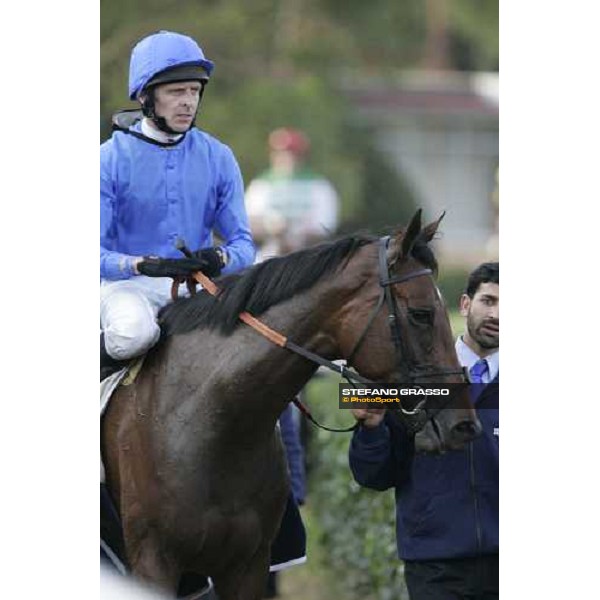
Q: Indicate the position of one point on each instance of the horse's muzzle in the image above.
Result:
(464, 432)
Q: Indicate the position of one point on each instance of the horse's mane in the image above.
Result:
(259, 287)
(268, 283)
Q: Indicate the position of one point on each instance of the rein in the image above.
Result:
(279, 339)
(414, 419)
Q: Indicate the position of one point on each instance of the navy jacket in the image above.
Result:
(447, 505)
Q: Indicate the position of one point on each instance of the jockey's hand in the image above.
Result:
(213, 261)
(169, 267)
(368, 417)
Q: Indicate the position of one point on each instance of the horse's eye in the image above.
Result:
(421, 316)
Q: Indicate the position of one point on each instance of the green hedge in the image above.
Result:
(356, 525)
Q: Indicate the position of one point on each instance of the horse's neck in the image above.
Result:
(220, 396)
(276, 375)
(240, 377)
(304, 320)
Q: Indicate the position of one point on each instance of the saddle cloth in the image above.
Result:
(125, 376)
(107, 387)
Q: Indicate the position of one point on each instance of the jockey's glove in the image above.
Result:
(172, 267)
(213, 259)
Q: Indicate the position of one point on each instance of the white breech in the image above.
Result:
(128, 310)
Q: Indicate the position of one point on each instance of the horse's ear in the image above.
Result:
(430, 230)
(402, 242)
(412, 233)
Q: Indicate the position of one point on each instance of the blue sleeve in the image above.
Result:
(231, 218)
(295, 456)
(380, 458)
(113, 265)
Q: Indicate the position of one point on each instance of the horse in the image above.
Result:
(193, 460)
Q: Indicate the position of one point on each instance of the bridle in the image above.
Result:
(410, 371)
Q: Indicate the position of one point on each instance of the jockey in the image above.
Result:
(161, 180)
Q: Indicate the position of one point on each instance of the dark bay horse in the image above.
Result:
(192, 456)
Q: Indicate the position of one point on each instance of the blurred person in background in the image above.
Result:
(162, 179)
(447, 505)
(289, 206)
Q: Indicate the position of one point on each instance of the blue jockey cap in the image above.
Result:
(166, 56)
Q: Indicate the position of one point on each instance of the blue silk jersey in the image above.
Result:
(152, 194)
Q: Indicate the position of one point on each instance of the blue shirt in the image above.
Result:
(151, 194)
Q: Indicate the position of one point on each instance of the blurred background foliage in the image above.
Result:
(279, 62)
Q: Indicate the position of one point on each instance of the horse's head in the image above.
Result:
(394, 327)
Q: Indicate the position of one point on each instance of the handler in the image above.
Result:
(446, 506)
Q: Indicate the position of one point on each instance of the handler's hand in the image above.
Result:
(368, 417)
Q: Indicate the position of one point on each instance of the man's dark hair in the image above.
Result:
(486, 273)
